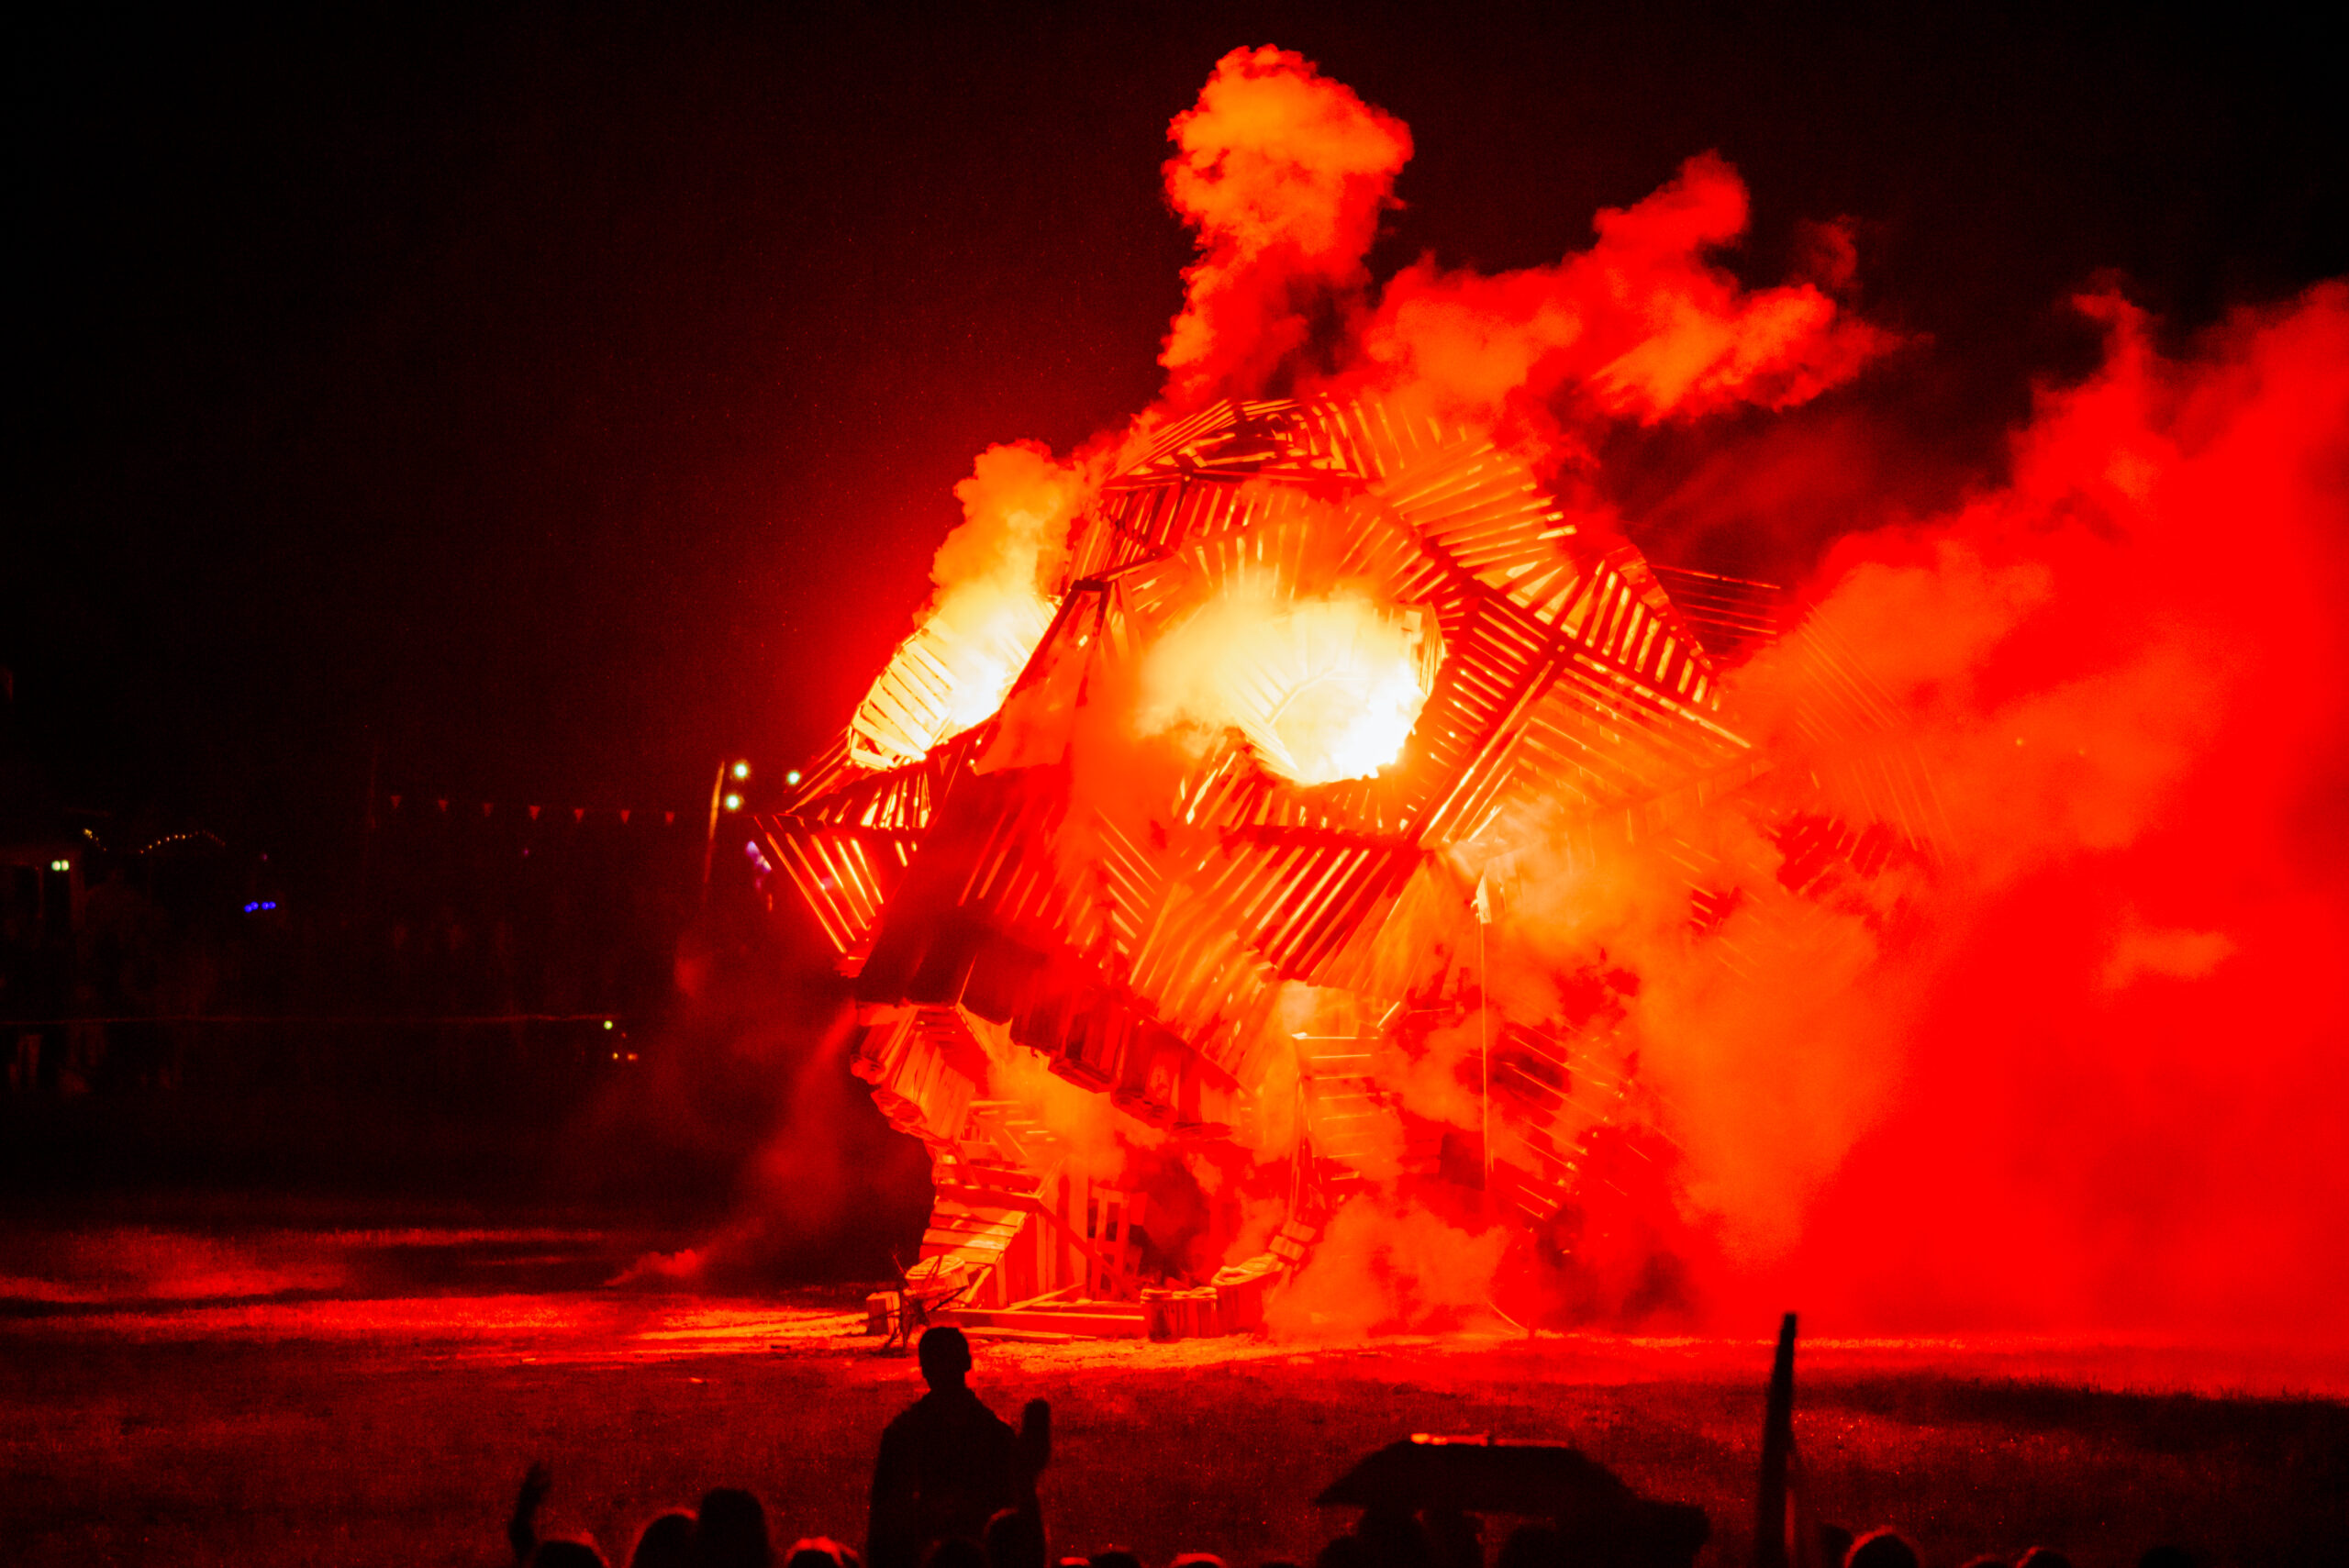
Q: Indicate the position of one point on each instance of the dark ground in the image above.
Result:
(290, 1394)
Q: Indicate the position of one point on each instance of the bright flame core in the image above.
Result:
(1324, 689)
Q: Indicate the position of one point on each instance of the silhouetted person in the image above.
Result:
(1015, 1539)
(948, 1464)
(2043, 1557)
(666, 1543)
(731, 1532)
(1882, 1549)
(522, 1527)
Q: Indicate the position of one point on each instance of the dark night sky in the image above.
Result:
(559, 402)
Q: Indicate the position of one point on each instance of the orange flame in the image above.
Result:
(990, 610)
(1324, 689)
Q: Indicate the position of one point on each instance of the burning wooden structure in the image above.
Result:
(1200, 937)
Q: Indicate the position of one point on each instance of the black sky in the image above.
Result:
(556, 401)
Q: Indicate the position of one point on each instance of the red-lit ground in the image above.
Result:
(367, 1396)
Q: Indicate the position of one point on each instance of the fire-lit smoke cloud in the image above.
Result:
(2096, 989)
(2054, 1035)
(2122, 1092)
(1282, 173)
(1643, 326)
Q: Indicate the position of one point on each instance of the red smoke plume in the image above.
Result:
(1284, 174)
(2123, 1090)
(1641, 326)
(2072, 1051)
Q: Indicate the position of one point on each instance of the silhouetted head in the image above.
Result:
(2044, 1557)
(1116, 1557)
(566, 1554)
(731, 1533)
(817, 1552)
(1882, 1549)
(945, 1357)
(1015, 1540)
(666, 1543)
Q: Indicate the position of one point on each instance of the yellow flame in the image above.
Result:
(1324, 689)
(952, 674)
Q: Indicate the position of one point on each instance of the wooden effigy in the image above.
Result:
(1001, 910)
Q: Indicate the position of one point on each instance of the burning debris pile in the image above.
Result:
(1306, 854)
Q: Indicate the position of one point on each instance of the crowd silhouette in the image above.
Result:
(954, 1486)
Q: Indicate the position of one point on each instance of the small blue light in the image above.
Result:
(261, 906)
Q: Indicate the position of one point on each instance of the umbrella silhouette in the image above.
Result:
(1535, 1480)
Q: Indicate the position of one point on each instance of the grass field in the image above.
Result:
(289, 1417)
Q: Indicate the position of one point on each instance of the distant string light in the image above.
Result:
(442, 805)
(216, 840)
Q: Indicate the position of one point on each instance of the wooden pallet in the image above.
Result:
(1079, 1319)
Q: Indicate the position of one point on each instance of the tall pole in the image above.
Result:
(1773, 1511)
(709, 843)
(1483, 1034)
